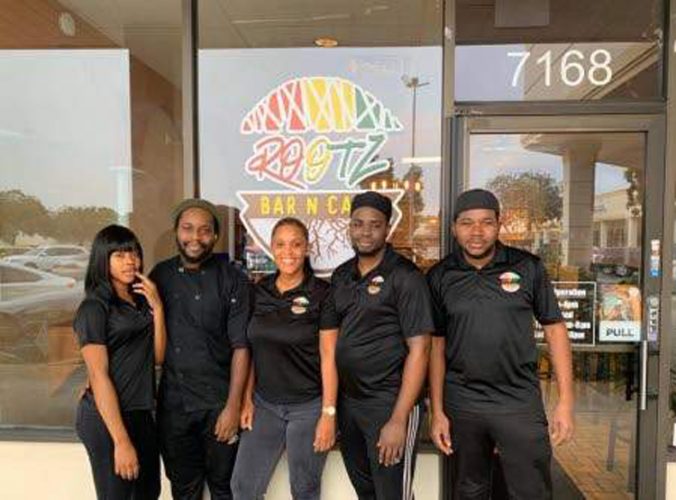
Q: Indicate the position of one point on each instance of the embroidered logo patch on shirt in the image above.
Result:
(299, 305)
(375, 285)
(510, 282)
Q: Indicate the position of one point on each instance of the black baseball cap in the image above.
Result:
(375, 200)
(476, 198)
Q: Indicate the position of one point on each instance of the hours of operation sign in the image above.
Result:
(577, 301)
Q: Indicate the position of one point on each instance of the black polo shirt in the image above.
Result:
(284, 337)
(127, 332)
(377, 313)
(206, 313)
(486, 316)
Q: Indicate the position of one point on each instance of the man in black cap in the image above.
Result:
(382, 306)
(484, 388)
(206, 303)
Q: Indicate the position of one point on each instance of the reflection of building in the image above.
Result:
(617, 230)
(580, 157)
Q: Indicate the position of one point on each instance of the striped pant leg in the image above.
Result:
(410, 451)
(386, 483)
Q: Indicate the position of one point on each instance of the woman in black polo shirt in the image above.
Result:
(291, 395)
(120, 329)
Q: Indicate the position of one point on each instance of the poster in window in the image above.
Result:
(620, 313)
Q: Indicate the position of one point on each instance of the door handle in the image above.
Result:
(643, 389)
(652, 338)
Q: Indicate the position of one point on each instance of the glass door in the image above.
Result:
(573, 191)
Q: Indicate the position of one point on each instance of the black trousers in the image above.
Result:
(94, 435)
(522, 442)
(192, 455)
(359, 426)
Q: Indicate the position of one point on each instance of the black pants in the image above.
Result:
(192, 455)
(522, 442)
(359, 426)
(95, 436)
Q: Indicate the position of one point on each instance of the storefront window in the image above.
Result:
(90, 134)
(513, 50)
(291, 127)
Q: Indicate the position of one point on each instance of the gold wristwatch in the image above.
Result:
(329, 410)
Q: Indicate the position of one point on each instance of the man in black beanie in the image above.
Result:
(484, 390)
(207, 305)
(381, 303)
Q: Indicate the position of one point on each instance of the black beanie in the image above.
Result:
(373, 200)
(195, 203)
(476, 198)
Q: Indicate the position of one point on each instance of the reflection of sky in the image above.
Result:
(232, 81)
(65, 125)
(485, 72)
(490, 73)
(609, 178)
(497, 154)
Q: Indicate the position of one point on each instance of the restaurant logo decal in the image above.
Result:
(315, 130)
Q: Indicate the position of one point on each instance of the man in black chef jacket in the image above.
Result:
(206, 302)
(484, 390)
(383, 309)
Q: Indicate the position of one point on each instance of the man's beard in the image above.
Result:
(367, 253)
(206, 253)
(483, 255)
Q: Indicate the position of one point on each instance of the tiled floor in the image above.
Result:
(598, 458)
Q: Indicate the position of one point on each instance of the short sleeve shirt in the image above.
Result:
(377, 313)
(127, 333)
(206, 312)
(284, 337)
(486, 317)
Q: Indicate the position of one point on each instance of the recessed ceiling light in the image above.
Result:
(326, 42)
(67, 24)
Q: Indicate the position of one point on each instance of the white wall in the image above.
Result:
(671, 481)
(60, 471)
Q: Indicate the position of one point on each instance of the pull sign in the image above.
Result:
(653, 318)
(655, 258)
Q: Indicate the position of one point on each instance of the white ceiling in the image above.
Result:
(152, 29)
(622, 149)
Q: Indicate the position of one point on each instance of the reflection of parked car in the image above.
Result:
(615, 273)
(31, 301)
(65, 260)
